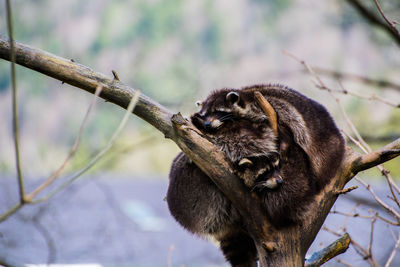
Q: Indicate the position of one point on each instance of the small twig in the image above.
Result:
(350, 76)
(74, 148)
(337, 247)
(357, 247)
(386, 220)
(371, 97)
(391, 24)
(344, 191)
(96, 158)
(11, 211)
(344, 263)
(374, 19)
(15, 105)
(321, 85)
(378, 200)
(371, 237)
(391, 257)
(115, 75)
(355, 215)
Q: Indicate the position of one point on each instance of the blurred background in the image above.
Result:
(175, 52)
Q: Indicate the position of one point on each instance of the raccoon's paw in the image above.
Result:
(245, 171)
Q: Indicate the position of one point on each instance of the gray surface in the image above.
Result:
(125, 222)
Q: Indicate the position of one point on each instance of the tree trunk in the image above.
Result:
(276, 247)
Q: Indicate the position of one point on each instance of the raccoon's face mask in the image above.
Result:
(215, 114)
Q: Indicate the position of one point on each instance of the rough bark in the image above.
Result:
(283, 247)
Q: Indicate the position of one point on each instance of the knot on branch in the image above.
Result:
(178, 119)
(344, 191)
(269, 247)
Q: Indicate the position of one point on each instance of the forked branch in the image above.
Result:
(292, 241)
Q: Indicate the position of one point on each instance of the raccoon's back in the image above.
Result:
(195, 201)
(313, 128)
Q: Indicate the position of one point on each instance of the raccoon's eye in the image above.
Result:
(225, 116)
(274, 159)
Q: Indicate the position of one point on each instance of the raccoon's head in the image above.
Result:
(239, 125)
(225, 106)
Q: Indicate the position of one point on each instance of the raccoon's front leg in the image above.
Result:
(258, 173)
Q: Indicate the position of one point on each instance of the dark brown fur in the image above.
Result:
(309, 148)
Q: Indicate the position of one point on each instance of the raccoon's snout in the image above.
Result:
(207, 125)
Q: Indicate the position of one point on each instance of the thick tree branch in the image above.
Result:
(336, 248)
(388, 152)
(83, 77)
(276, 247)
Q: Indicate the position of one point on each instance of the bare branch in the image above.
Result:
(83, 77)
(75, 146)
(376, 157)
(357, 247)
(344, 191)
(374, 19)
(371, 237)
(15, 105)
(96, 158)
(211, 160)
(336, 248)
(350, 76)
(11, 211)
(388, 21)
(390, 259)
(378, 200)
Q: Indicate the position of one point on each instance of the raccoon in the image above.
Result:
(287, 160)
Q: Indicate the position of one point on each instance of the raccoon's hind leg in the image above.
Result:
(239, 249)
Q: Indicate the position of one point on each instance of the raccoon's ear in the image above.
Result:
(233, 97)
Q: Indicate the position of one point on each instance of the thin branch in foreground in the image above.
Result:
(378, 200)
(371, 237)
(321, 85)
(337, 247)
(374, 19)
(357, 247)
(344, 263)
(391, 24)
(29, 198)
(371, 97)
(355, 215)
(96, 158)
(11, 211)
(15, 105)
(363, 79)
(71, 154)
(391, 257)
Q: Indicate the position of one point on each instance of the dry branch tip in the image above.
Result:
(344, 191)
